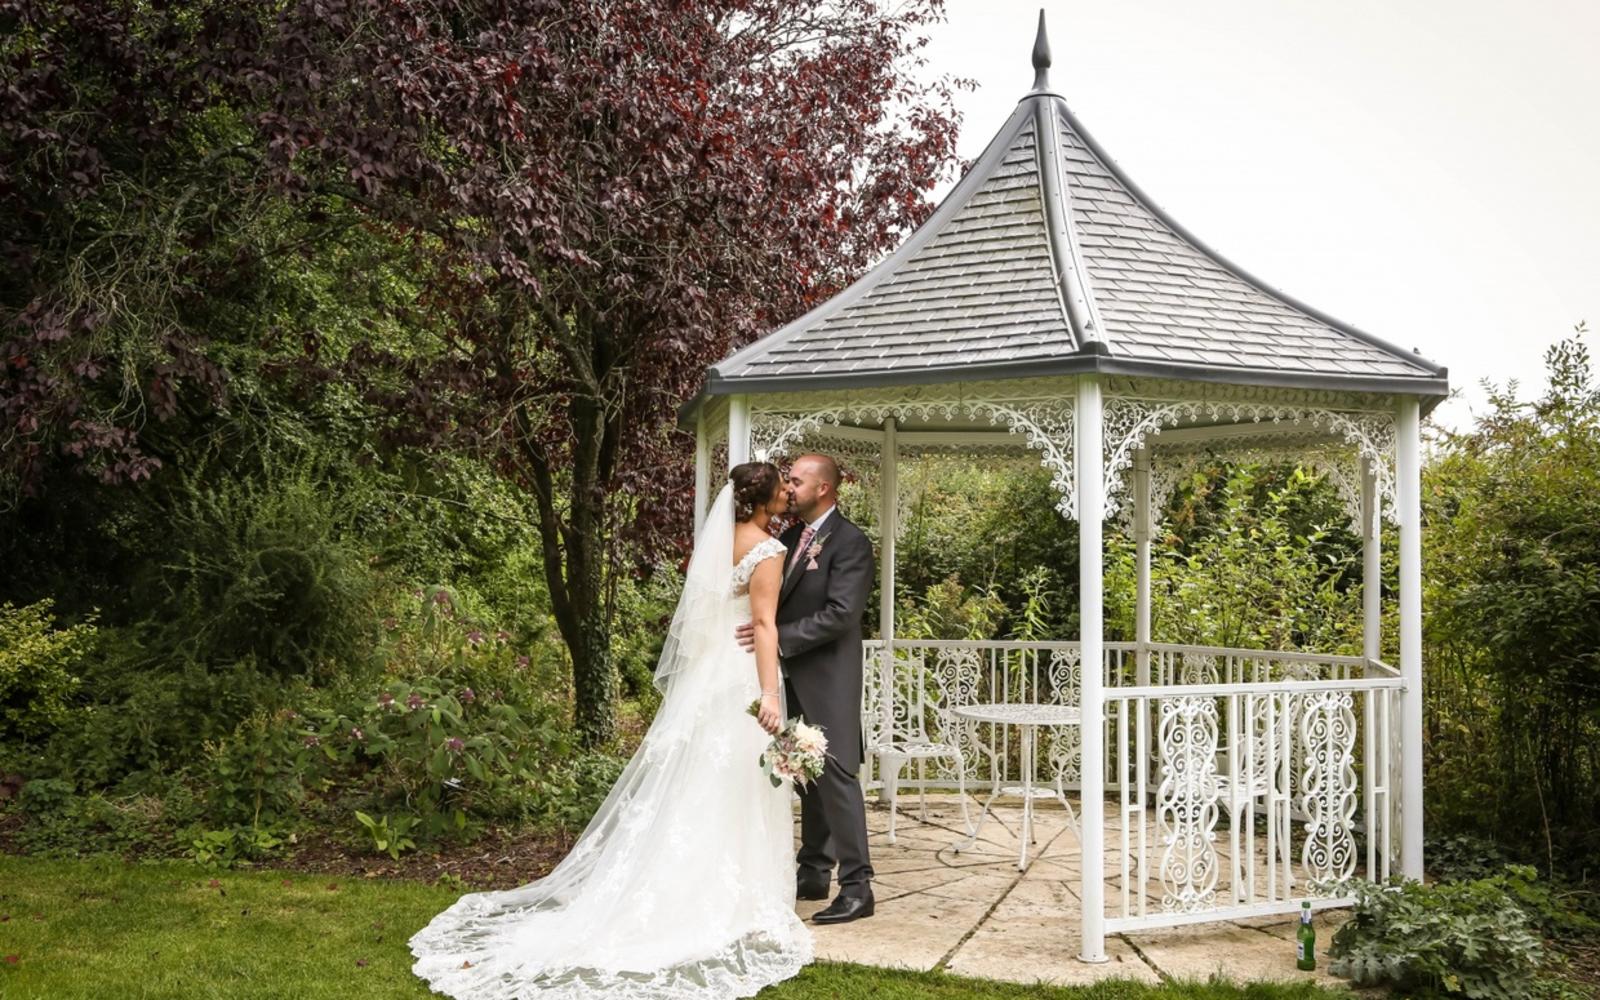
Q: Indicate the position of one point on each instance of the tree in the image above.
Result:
(610, 195)
(112, 223)
(1513, 520)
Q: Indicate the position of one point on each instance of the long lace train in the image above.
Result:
(682, 886)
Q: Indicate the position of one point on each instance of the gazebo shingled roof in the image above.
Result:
(1001, 283)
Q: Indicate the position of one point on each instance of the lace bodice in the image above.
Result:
(746, 567)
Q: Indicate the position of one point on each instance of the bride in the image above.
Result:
(682, 886)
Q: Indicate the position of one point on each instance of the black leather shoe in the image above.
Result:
(811, 888)
(843, 910)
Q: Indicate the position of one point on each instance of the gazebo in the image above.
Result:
(1049, 309)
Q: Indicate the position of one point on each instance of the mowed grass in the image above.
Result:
(104, 929)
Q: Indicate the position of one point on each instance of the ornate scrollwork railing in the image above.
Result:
(1246, 780)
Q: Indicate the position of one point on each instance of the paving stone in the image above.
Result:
(1032, 951)
(982, 917)
(1235, 953)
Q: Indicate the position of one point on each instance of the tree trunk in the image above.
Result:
(574, 566)
(594, 674)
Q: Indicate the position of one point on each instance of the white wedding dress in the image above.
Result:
(682, 887)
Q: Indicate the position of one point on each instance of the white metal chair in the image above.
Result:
(1255, 788)
(917, 724)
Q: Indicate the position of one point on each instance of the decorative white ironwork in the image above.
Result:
(1044, 424)
(1198, 668)
(1270, 737)
(1300, 430)
(1186, 803)
(1131, 422)
(1170, 468)
(957, 673)
(926, 685)
(1328, 785)
(1065, 754)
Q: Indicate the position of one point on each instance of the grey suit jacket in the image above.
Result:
(819, 631)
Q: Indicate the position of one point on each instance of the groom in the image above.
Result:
(826, 581)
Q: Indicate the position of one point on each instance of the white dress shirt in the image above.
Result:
(816, 526)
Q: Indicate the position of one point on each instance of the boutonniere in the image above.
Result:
(813, 551)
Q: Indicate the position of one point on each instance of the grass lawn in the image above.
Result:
(109, 930)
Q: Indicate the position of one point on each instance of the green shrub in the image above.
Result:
(234, 846)
(1458, 856)
(258, 773)
(456, 730)
(38, 670)
(265, 570)
(643, 610)
(446, 755)
(389, 836)
(63, 821)
(143, 721)
(587, 780)
(1453, 939)
(1512, 642)
(948, 611)
(1261, 559)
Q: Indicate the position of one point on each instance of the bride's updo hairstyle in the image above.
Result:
(754, 483)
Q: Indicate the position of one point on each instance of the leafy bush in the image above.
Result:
(586, 781)
(1454, 939)
(390, 837)
(38, 675)
(457, 730)
(948, 611)
(1512, 685)
(995, 527)
(1259, 558)
(1460, 856)
(443, 754)
(644, 609)
(64, 821)
(264, 571)
(143, 723)
(234, 846)
(255, 581)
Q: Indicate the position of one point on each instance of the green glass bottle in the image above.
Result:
(1305, 940)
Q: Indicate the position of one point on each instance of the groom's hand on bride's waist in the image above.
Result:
(746, 634)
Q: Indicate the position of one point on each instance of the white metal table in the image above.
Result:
(1027, 718)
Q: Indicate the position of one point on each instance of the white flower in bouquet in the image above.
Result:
(810, 739)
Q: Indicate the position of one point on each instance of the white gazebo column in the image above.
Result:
(1408, 493)
(888, 527)
(1141, 615)
(738, 430)
(1372, 649)
(702, 469)
(1141, 539)
(1087, 463)
(1371, 564)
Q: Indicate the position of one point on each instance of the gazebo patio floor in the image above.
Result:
(974, 914)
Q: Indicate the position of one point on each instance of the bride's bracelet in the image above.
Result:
(769, 694)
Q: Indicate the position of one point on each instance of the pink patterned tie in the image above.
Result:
(805, 542)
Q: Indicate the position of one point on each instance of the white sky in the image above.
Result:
(1422, 169)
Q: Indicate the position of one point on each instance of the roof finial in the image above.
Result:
(1041, 57)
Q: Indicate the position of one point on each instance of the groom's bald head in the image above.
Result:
(813, 484)
(823, 467)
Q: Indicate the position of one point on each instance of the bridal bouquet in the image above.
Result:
(797, 754)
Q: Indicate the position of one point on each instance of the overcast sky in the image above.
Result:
(1422, 169)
